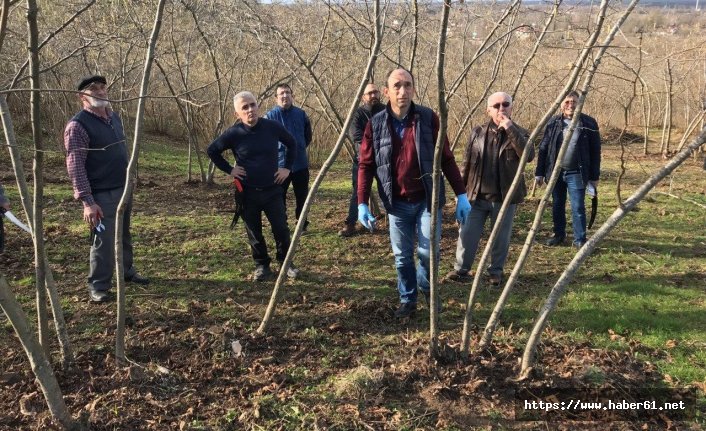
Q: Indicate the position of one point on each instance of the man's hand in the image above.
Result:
(505, 121)
(281, 175)
(5, 206)
(365, 217)
(539, 181)
(92, 215)
(238, 172)
(463, 208)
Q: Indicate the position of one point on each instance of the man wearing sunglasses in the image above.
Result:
(370, 106)
(580, 167)
(489, 166)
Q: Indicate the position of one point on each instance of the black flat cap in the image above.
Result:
(88, 80)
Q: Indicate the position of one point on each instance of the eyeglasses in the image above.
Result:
(504, 105)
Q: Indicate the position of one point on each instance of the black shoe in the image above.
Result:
(555, 240)
(405, 310)
(439, 306)
(579, 244)
(495, 279)
(99, 295)
(138, 279)
(262, 273)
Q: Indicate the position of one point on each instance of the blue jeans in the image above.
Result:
(470, 232)
(353, 205)
(572, 182)
(408, 220)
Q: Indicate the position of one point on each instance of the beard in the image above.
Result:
(98, 103)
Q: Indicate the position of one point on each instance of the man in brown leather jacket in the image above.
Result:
(490, 162)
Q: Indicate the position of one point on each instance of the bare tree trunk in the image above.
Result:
(4, 12)
(528, 358)
(216, 70)
(436, 181)
(415, 35)
(129, 185)
(37, 358)
(573, 76)
(57, 312)
(667, 124)
(690, 129)
(322, 174)
(500, 305)
(38, 168)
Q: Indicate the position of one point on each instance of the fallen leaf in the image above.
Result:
(670, 344)
(237, 348)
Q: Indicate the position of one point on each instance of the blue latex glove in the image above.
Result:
(365, 217)
(463, 208)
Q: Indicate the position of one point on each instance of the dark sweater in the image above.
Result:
(255, 150)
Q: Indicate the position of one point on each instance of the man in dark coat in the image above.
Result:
(489, 166)
(580, 168)
(370, 106)
(255, 144)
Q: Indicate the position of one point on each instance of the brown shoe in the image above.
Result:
(457, 275)
(347, 231)
(495, 279)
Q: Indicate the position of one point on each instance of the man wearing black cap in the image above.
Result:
(96, 160)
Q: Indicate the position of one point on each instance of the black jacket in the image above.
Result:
(588, 148)
(360, 119)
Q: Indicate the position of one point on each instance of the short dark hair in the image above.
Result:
(283, 85)
(398, 68)
(573, 93)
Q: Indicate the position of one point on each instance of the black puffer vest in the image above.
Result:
(424, 143)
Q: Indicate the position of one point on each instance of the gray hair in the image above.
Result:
(499, 93)
(242, 95)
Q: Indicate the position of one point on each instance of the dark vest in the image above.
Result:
(106, 169)
(424, 143)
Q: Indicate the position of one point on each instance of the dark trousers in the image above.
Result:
(300, 183)
(353, 206)
(269, 201)
(102, 256)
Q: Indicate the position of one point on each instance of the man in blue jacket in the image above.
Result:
(580, 168)
(254, 142)
(398, 150)
(297, 123)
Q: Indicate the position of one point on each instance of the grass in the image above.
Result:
(642, 293)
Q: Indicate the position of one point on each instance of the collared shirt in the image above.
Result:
(76, 142)
(407, 185)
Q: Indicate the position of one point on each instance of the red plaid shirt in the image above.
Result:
(76, 142)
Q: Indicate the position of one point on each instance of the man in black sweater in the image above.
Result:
(370, 106)
(254, 142)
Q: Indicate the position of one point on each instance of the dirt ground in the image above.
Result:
(193, 368)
